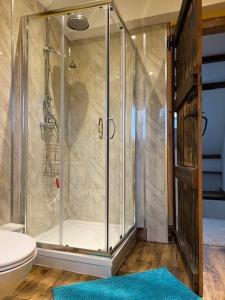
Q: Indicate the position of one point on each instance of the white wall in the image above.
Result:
(151, 97)
(214, 108)
(223, 164)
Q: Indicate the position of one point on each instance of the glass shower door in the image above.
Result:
(85, 130)
(81, 129)
(115, 164)
(121, 132)
(130, 132)
(43, 130)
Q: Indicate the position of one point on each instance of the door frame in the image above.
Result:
(170, 137)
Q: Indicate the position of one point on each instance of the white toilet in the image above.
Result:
(17, 254)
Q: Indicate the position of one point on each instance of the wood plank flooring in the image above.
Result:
(145, 255)
(214, 273)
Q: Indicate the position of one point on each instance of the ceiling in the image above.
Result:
(134, 13)
(142, 12)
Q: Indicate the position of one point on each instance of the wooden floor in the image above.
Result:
(144, 256)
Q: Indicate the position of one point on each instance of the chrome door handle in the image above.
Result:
(100, 128)
(114, 128)
(206, 125)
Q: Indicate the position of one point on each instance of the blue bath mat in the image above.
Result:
(157, 284)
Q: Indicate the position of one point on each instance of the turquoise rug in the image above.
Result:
(157, 284)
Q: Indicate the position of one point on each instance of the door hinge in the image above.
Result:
(170, 42)
(170, 233)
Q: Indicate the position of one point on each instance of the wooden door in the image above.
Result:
(187, 55)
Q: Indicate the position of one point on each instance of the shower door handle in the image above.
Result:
(100, 128)
(114, 128)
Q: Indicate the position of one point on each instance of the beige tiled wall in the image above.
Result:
(42, 212)
(43, 149)
(87, 150)
(152, 98)
(5, 126)
(9, 30)
(84, 151)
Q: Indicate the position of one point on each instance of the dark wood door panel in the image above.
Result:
(187, 47)
(187, 175)
(187, 125)
(187, 169)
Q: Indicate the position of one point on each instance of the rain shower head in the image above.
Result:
(77, 22)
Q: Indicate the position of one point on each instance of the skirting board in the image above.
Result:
(87, 264)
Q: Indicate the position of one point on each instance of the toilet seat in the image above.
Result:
(15, 249)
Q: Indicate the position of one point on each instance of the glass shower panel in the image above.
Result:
(84, 224)
(129, 135)
(115, 132)
(81, 139)
(43, 132)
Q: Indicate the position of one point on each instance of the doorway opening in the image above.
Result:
(213, 140)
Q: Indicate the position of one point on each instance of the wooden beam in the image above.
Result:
(213, 59)
(212, 172)
(213, 85)
(187, 175)
(213, 195)
(213, 26)
(211, 156)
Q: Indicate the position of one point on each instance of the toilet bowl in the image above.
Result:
(17, 254)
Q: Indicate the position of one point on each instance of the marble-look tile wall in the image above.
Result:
(84, 151)
(9, 31)
(152, 108)
(87, 152)
(84, 187)
(87, 149)
(43, 160)
(5, 123)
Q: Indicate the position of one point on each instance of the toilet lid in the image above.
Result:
(15, 249)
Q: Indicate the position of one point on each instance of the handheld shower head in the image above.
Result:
(77, 22)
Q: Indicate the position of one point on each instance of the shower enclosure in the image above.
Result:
(75, 112)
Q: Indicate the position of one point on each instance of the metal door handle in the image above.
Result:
(114, 128)
(194, 114)
(206, 124)
(100, 128)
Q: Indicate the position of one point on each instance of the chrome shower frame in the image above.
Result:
(20, 199)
